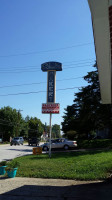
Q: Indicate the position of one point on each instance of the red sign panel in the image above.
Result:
(51, 108)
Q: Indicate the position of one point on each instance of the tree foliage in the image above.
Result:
(56, 131)
(87, 114)
(36, 127)
(10, 122)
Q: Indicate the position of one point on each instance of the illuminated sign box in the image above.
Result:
(51, 87)
(51, 66)
(53, 108)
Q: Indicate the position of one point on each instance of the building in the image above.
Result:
(101, 13)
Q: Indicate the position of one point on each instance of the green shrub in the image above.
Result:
(12, 164)
(3, 163)
(96, 143)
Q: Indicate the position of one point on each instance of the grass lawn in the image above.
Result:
(88, 165)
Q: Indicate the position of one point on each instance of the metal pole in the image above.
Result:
(50, 136)
(18, 123)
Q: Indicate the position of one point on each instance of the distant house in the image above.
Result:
(44, 136)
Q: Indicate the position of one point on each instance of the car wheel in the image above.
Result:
(45, 148)
(66, 147)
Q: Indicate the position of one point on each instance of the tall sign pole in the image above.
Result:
(50, 107)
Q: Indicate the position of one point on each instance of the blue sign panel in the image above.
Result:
(51, 87)
(51, 66)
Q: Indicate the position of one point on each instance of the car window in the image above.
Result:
(21, 138)
(53, 141)
(16, 138)
(62, 140)
(57, 141)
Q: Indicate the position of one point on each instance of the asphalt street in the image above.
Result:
(8, 152)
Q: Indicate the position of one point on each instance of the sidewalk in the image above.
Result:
(53, 189)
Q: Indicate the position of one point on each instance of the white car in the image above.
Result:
(60, 143)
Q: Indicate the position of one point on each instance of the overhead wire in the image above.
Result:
(28, 71)
(37, 83)
(11, 68)
(46, 51)
(69, 65)
(36, 92)
(77, 62)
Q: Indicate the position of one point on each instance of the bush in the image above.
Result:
(3, 163)
(12, 164)
(97, 143)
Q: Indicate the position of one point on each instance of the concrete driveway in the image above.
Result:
(53, 189)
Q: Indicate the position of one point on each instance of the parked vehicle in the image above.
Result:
(33, 141)
(17, 141)
(60, 143)
(22, 140)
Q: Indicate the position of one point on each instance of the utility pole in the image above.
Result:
(18, 123)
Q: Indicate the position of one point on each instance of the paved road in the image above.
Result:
(8, 152)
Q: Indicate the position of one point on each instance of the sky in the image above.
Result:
(36, 31)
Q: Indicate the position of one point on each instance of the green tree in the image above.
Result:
(35, 127)
(56, 131)
(87, 114)
(10, 122)
(70, 116)
(71, 135)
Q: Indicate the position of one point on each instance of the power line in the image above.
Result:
(90, 59)
(26, 84)
(77, 67)
(36, 92)
(30, 67)
(28, 71)
(45, 51)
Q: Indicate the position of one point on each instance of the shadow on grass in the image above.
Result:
(89, 191)
(57, 155)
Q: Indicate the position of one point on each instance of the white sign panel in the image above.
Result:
(53, 108)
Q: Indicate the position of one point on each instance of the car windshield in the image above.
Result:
(58, 140)
(16, 138)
